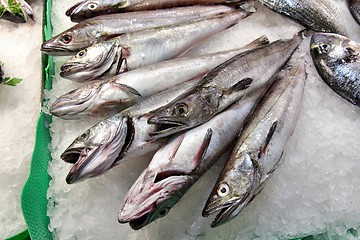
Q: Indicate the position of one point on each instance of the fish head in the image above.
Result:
(232, 191)
(91, 62)
(329, 47)
(186, 111)
(91, 8)
(99, 99)
(152, 196)
(95, 151)
(71, 41)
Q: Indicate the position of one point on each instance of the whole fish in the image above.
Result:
(105, 98)
(91, 8)
(18, 11)
(145, 47)
(240, 76)
(102, 28)
(258, 151)
(178, 164)
(117, 139)
(318, 15)
(354, 6)
(337, 61)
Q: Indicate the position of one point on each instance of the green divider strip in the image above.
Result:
(21, 236)
(34, 195)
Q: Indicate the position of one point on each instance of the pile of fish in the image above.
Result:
(187, 112)
(18, 11)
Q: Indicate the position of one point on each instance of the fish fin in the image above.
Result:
(122, 63)
(241, 85)
(270, 134)
(204, 146)
(109, 36)
(129, 89)
(261, 41)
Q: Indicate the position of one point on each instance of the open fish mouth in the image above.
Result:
(48, 47)
(166, 126)
(68, 69)
(140, 222)
(74, 9)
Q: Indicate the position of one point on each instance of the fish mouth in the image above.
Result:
(227, 210)
(166, 126)
(140, 222)
(91, 161)
(55, 50)
(73, 10)
(69, 68)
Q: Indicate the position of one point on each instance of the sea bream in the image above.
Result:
(18, 11)
(102, 28)
(145, 47)
(258, 151)
(178, 164)
(118, 138)
(337, 61)
(91, 8)
(354, 6)
(236, 78)
(106, 98)
(318, 15)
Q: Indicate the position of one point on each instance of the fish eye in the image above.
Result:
(223, 190)
(324, 48)
(181, 109)
(66, 39)
(164, 212)
(81, 53)
(84, 136)
(92, 6)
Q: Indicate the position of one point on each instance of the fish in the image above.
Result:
(179, 163)
(149, 46)
(1, 74)
(117, 139)
(318, 15)
(17, 11)
(102, 28)
(354, 6)
(105, 98)
(259, 149)
(91, 8)
(232, 80)
(337, 61)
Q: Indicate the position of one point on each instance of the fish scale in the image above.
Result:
(319, 15)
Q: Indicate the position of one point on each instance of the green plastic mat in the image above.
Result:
(34, 196)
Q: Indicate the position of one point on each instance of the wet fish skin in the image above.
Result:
(101, 28)
(354, 6)
(105, 98)
(337, 61)
(116, 139)
(26, 14)
(178, 164)
(227, 83)
(259, 149)
(145, 47)
(91, 8)
(318, 15)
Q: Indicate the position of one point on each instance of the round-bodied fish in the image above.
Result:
(91, 8)
(337, 61)
(145, 47)
(105, 98)
(318, 15)
(236, 78)
(102, 28)
(258, 151)
(178, 164)
(117, 139)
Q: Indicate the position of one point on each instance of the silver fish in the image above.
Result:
(354, 6)
(102, 28)
(91, 8)
(258, 151)
(227, 83)
(105, 98)
(178, 164)
(145, 47)
(117, 139)
(337, 61)
(318, 15)
(18, 11)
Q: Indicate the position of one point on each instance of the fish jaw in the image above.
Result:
(151, 198)
(90, 63)
(96, 152)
